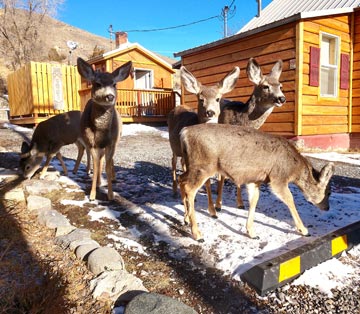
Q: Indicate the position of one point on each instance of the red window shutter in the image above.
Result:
(314, 66)
(344, 71)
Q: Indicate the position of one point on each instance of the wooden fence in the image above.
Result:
(138, 105)
(39, 90)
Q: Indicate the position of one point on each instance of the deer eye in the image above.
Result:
(266, 87)
(217, 99)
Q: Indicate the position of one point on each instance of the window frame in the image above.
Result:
(335, 67)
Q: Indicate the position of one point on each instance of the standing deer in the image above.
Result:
(100, 123)
(250, 157)
(49, 136)
(266, 96)
(208, 109)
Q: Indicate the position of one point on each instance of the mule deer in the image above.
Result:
(266, 96)
(208, 109)
(250, 157)
(100, 122)
(49, 136)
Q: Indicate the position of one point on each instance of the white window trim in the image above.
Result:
(331, 66)
(151, 76)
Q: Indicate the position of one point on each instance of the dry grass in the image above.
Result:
(36, 276)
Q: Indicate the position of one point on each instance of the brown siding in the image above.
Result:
(356, 76)
(210, 66)
(320, 115)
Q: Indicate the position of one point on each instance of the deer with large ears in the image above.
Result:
(208, 110)
(266, 96)
(101, 124)
(250, 157)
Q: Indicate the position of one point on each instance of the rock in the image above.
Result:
(116, 285)
(83, 250)
(16, 194)
(78, 234)
(38, 187)
(52, 219)
(153, 303)
(37, 203)
(63, 230)
(105, 258)
(75, 244)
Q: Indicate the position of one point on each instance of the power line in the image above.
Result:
(171, 27)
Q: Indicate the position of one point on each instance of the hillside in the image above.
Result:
(54, 35)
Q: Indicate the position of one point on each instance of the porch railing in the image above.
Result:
(141, 103)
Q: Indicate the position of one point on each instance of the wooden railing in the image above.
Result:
(139, 105)
(144, 103)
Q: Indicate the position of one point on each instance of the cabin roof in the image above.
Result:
(124, 48)
(278, 10)
(281, 12)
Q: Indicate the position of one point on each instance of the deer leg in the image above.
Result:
(95, 154)
(81, 149)
(173, 167)
(239, 200)
(284, 194)
(254, 193)
(46, 166)
(219, 193)
(109, 167)
(211, 207)
(59, 157)
(190, 183)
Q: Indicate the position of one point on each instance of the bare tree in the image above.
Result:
(20, 23)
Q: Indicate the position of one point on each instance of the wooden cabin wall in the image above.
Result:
(356, 76)
(162, 76)
(324, 115)
(210, 66)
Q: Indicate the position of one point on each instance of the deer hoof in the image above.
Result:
(214, 216)
(218, 209)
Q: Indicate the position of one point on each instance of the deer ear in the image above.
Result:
(253, 71)
(191, 84)
(326, 173)
(227, 84)
(85, 69)
(276, 70)
(122, 72)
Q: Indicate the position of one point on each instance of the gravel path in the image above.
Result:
(147, 160)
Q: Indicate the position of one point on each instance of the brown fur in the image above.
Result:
(208, 109)
(49, 136)
(267, 95)
(250, 157)
(100, 123)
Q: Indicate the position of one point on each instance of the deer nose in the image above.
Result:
(109, 98)
(282, 99)
(210, 113)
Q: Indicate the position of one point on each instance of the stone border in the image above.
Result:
(111, 280)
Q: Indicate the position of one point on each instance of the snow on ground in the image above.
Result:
(227, 247)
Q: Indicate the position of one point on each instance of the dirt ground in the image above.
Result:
(65, 280)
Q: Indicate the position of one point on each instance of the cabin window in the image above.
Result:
(143, 79)
(329, 64)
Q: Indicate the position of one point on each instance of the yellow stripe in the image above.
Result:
(289, 268)
(339, 244)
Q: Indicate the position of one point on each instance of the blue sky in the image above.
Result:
(144, 15)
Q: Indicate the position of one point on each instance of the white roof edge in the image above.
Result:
(134, 45)
(320, 13)
(292, 18)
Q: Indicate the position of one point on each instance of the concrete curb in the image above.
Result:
(282, 269)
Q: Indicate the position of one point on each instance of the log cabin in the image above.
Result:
(147, 95)
(319, 43)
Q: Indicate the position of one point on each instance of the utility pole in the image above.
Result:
(226, 14)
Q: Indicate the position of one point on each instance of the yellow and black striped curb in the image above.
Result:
(280, 270)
